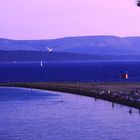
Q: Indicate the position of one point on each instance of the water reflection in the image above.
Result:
(10, 94)
(64, 116)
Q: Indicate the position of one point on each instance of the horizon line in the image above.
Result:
(70, 37)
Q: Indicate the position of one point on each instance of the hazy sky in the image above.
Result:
(43, 19)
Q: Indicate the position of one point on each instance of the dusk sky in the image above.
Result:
(44, 19)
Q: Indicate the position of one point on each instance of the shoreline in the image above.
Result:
(122, 93)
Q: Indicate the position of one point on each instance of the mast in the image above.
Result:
(41, 64)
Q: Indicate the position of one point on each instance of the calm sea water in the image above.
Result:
(78, 71)
(27, 114)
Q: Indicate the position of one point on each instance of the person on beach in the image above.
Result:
(130, 111)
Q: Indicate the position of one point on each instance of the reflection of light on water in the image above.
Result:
(33, 117)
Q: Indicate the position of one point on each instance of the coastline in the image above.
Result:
(122, 93)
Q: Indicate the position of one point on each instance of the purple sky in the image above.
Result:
(43, 19)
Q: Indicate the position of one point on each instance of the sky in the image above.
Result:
(48, 19)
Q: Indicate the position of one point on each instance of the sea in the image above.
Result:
(97, 71)
(29, 114)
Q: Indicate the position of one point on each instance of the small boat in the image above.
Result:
(41, 64)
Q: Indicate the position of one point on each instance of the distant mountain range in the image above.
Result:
(71, 48)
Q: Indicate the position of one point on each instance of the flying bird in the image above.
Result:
(49, 49)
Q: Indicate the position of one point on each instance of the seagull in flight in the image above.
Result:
(49, 49)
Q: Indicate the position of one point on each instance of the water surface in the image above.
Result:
(28, 114)
(70, 72)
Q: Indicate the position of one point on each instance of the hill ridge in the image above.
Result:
(95, 45)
